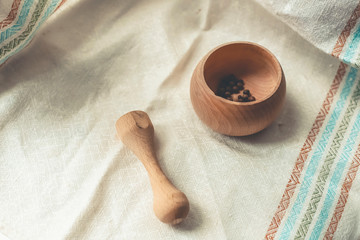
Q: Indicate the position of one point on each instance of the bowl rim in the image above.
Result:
(278, 70)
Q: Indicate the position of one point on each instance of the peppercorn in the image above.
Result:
(244, 97)
(251, 98)
(220, 91)
(232, 88)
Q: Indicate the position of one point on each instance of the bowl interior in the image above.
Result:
(255, 65)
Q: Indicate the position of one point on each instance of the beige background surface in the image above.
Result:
(65, 175)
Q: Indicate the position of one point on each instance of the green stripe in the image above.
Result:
(326, 167)
(16, 41)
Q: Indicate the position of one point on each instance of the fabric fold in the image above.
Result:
(331, 25)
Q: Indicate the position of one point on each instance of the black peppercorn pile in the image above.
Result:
(232, 88)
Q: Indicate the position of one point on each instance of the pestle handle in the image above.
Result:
(136, 131)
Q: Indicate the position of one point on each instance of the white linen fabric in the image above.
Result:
(65, 175)
(324, 23)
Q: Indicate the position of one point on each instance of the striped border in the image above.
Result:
(346, 32)
(344, 195)
(335, 179)
(304, 153)
(307, 147)
(23, 40)
(16, 41)
(326, 167)
(16, 28)
(12, 14)
(318, 154)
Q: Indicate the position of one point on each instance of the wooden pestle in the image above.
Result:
(136, 131)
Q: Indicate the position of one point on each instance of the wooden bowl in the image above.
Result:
(262, 75)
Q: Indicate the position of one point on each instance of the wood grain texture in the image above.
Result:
(136, 131)
(262, 75)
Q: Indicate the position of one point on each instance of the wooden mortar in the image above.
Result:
(262, 75)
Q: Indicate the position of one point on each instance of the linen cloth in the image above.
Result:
(330, 25)
(65, 175)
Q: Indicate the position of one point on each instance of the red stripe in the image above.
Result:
(12, 14)
(304, 153)
(62, 2)
(346, 32)
(344, 194)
